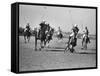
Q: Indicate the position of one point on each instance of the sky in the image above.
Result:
(63, 17)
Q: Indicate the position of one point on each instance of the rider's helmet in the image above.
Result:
(75, 25)
(43, 21)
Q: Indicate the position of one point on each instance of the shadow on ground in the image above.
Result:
(57, 49)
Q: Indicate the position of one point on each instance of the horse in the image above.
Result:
(27, 34)
(59, 35)
(41, 35)
(49, 35)
(85, 41)
(44, 35)
(72, 42)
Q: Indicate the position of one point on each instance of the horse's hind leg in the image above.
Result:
(72, 49)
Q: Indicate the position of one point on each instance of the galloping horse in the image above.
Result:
(27, 34)
(44, 35)
(71, 42)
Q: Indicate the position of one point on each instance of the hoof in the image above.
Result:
(72, 50)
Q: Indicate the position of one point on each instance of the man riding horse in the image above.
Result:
(49, 33)
(44, 33)
(59, 34)
(75, 30)
(72, 42)
(85, 38)
(27, 32)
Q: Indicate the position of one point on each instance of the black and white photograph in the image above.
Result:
(55, 37)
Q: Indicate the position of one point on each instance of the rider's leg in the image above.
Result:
(41, 44)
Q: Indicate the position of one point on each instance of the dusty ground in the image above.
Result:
(51, 58)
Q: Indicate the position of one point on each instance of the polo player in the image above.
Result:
(27, 27)
(59, 33)
(85, 34)
(72, 38)
(27, 32)
(74, 33)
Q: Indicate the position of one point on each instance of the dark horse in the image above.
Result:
(49, 35)
(71, 43)
(27, 34)
(44, 35)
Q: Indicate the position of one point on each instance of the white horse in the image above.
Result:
(85, 41)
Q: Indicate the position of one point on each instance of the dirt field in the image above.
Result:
(54, 57)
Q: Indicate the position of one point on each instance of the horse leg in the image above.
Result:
(25, 38)
(82, 43)
(48, 43)
(41, 44)
(85, 46)
(28, 38)
(45, 41)
(71, 49)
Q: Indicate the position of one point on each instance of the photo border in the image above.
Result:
(53, 5)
